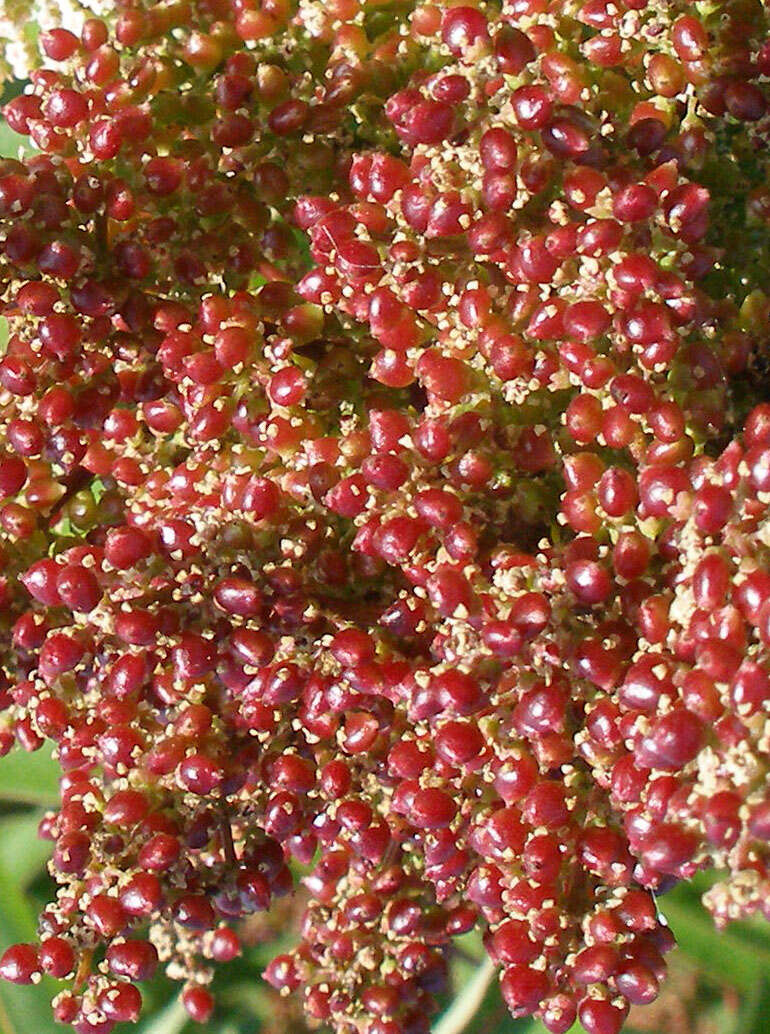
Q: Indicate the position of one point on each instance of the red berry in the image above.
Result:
(20, 964)
(199, 1003)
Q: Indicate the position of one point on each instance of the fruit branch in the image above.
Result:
(415, 355)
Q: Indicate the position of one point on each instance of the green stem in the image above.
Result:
(171, 1021)
(466, 1005)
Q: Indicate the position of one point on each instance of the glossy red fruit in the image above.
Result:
(199, 1003)
(20, 964)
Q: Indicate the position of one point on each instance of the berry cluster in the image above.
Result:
(384, 473)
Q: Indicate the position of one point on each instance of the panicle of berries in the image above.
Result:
(372, 950)
(681, 743)
(368, 501)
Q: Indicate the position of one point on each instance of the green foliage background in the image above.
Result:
(720, 982)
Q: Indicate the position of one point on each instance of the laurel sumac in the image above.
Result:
(384, 480)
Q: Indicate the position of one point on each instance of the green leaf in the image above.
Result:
(22, 854)
(18, 921)
(11, 143)
(24, 1009)
(727, 956)
(465, 1008)
(754, 1016)
(29, 778)
(171, 1020)
(21, 1008)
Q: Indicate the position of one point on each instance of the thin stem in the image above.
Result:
(227, 840)
(84, 969)
(100, 226)
(466, 1005)
(78, 480)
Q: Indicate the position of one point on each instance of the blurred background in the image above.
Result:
(719, 983)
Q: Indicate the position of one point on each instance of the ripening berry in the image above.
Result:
(56, 957)
(20, 964)
(134, 960)
(199, 1003)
